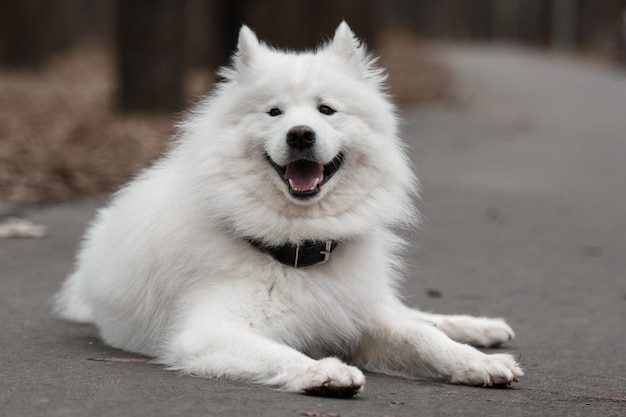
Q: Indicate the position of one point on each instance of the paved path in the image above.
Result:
(525, 217)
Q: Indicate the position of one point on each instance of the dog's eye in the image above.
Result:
(324, 109)
(275, 111)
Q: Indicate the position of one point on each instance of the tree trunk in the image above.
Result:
(32, 30)
(150, 39)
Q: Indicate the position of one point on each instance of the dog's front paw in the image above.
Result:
(488, 370)
(476, 331)
(330, 377)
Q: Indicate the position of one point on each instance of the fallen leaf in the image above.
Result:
(494, 214)
(615, 399)
(433, 293)
(591, 251)
(316, 413)
(14, 227)
(123, 360)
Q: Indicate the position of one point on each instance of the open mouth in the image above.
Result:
(304, 177)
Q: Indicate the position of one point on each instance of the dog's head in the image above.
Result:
(311, 135)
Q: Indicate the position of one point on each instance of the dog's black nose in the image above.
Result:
(301, 137)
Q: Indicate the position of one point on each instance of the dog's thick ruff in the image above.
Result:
(290, 148)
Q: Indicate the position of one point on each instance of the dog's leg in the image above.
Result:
(234, 352)
(476, 331)
(398, 344)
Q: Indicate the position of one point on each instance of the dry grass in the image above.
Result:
(416, 76)
(60, 138)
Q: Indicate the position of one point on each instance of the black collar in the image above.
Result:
(305, 254)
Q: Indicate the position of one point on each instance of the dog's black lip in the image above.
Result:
(329, 170)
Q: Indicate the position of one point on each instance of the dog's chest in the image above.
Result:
(313, 314)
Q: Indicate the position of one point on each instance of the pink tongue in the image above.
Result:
(303, 174)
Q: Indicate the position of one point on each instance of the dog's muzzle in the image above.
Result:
(303, 175)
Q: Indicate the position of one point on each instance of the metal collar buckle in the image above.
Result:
(326, 251)
(328, 246)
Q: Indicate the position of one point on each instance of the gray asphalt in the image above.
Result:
(524, 204)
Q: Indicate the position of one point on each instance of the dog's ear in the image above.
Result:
(348, 46)
(248, 47)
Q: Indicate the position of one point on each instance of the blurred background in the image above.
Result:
(90, 89)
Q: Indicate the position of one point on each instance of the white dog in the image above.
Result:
(261, 247)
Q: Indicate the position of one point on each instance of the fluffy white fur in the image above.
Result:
(166, 269)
